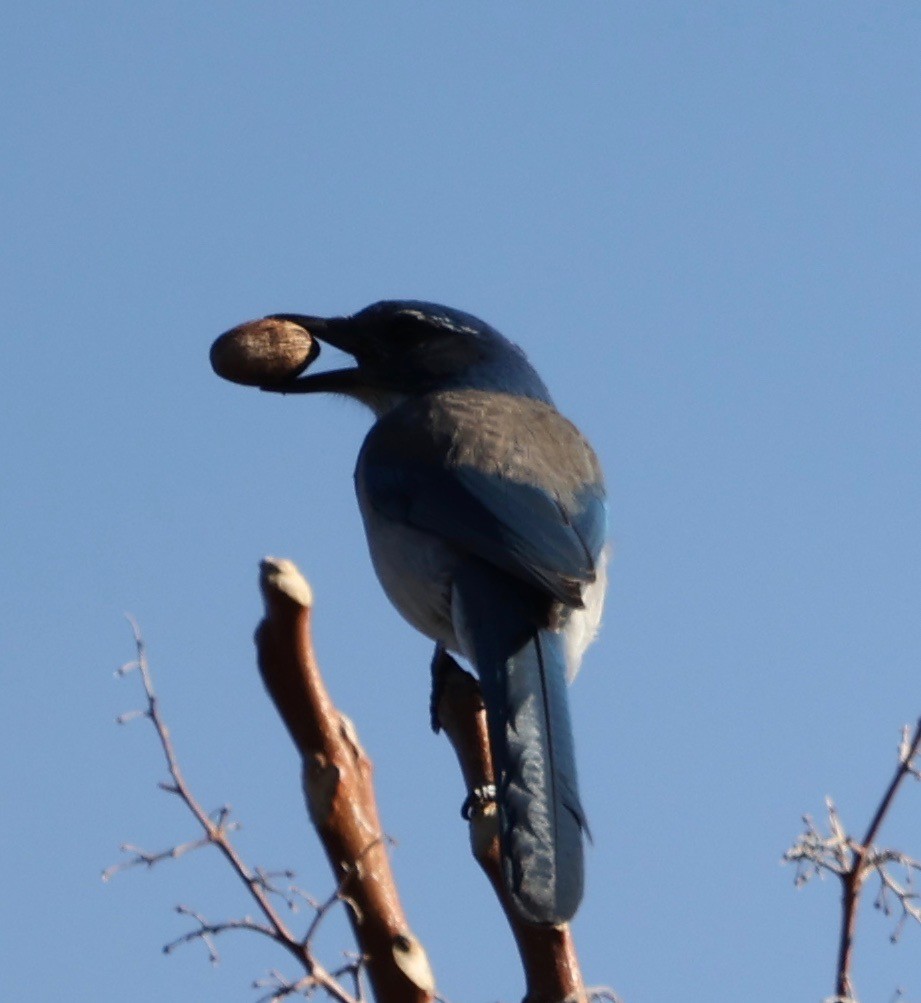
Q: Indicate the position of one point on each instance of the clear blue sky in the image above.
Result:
(703, 223)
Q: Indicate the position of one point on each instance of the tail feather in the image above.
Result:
(522, 670)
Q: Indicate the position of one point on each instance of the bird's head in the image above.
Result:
(406, 348)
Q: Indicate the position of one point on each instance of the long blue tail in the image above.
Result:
(523, 678)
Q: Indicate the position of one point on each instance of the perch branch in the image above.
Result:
(548, 954)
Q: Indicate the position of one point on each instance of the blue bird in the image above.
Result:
(485, 515)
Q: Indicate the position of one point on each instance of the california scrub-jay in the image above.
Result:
(485, 514)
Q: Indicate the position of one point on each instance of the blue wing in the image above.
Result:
(544, 534)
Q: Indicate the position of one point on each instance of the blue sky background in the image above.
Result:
(703, 223)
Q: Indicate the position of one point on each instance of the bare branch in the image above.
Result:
(217, 826)
(852, 862)
(281, 988)
(141, 857)
(215, 830)
(205, 931)
(901, 891)
(908, 749)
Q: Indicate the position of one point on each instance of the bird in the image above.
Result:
(486, 519)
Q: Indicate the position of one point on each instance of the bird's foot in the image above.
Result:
(477, 800)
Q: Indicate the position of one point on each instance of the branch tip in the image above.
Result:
(281, 575)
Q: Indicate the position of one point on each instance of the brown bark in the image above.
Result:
(338, 788)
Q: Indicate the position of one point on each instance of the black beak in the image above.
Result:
(336, 331)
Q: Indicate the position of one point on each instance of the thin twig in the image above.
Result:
(215, 832)
(217, 826)
(853, 861)
(143, 858)
(205, 931)
(862, 865)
